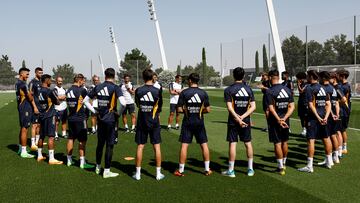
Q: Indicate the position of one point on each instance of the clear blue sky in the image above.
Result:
(75, 31)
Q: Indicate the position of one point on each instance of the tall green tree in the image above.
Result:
(257, 68)
(187, 70)
(159, 70)
(265, 60)
(205, 72)
(315, 53)
(204, 67)
(293, 50)
(7, 73)
(23, 65)
(178, 70)
(66, 71)
(135, 62)
(343, 48)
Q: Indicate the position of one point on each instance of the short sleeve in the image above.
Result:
(83, 92)
(171, 86)
(92, 93)
(118, 91)
(269, 97)
(181, 99)
(137, 101)
(308, 94)
(24, 88)
(252, 97)
(227, 95)
(53, 95)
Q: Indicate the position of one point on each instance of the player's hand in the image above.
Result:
(324, 121)
(36, 110)
(261, 86)
(240, 117)
(243, 124)
(335, 117)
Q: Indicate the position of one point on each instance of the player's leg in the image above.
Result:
(170, 119)
(25, 122)
(328, 151)
(133, 117)
(34, 127)
(182, 159)
(206, 158)
(63, 123)
(177, 120)
(49, 127)
(340, 142)
(93, 123)
(124, 119)
(138, 160)
(345, 137)
(285, 150)
(57, 118)
(335, 147)
(232, 157)
(69, 150)
(99, 149)
(279, 157)
(82, 137)
(157, 151)
(250, 157)
(310, 153)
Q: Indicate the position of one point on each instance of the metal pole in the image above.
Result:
(118, 59)
(158, 32)
(137, 72)
(355, 41)
(306, 48)
(102, 65)
(221, 67)
(91, 69)
(269, 59)
(42, 63)
(276, 37)
(242, 53)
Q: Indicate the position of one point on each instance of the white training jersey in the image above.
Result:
(60, 92)
(94, 101)
(124, 89)
(157, 85)
(174, 86)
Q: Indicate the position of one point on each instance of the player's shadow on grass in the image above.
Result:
(223, 122)
(214, 166)
(129, 169)
(13, 147)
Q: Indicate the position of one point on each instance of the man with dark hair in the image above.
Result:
(61, 108)
(319, 111)
(264, 86)
(333, 122)
(77, 121)
(302, 104)
(47, 98)
(240, 102)
(345, 106)
(175, 90)
(24, 105)
(94, 103)
(128, 92)
(287, 82)
(107, 94)
(149, 101)
(34, 87)
(194, 103)
(281, 106)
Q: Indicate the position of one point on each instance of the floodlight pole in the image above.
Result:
(221, 66)
(102, 65)
(112, 36)
(154, 18)
(275, 36)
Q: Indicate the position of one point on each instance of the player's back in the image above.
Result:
(107, 94)
(23, 103)
(74, 98)
(240, 95)
(193, 100)
(346, 89)
(34, 87)
(47, 100)
(316, 94)
(149, 101)
(280, 97)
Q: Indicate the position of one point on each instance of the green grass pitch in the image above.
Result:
(26, 180)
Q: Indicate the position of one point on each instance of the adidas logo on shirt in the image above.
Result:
(242, 93)
(41, 98)
(104, 92)
(195, 99)
(321, 92)
(282, 94)
(334, 94)
(70, 94)
(147, 97)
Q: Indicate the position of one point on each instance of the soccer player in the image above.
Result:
(174, 89)
(128, 90)
(77, 121)
(107, 94)
(156, 81)
(281, 106)
(48, 98)
(240, 102)
(286, 82)
(341, 100)
(194, 103)
(94, 102)
(149, 101)
(34, 87)
(302, 104)
(61, 108)
(264, 86)
(333, 122)
(24, 106)
(319, 111)
(346, 106)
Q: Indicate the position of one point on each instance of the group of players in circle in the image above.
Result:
(324, 110)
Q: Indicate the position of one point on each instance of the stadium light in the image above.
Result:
(113, 41)
(153, 17)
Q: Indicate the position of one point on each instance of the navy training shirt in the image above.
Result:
(240, 95)
(47, 101)
(346, 89)
(149, 101)
(107, 94)
(74, 100)
(280, 97)
(193, 100)
(22, 92)
(316, 94)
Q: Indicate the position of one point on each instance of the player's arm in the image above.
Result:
(206, 104)
(231, 110)
(89, 96)
(336, 114)
(131, 90)
(290, 110)
(328, 110)
(160, 104)
(171, 90)
(180, 104)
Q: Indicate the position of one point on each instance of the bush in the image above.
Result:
(166, 77)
